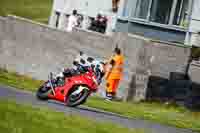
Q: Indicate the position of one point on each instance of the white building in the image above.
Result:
(194, 26)
(167, 20)
(88, 8)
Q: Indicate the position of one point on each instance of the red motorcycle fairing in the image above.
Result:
(84, 79)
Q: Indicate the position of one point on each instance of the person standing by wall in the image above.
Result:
(72, 21)
(115, 5)
(114, 73)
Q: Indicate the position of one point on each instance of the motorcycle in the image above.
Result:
(73, 89)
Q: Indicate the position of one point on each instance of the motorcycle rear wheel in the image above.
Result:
(72, 101)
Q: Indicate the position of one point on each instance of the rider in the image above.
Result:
(81, 65)
(99, 71)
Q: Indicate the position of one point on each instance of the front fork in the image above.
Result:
(50, 81)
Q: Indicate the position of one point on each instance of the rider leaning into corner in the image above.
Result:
(81, 63)
(112, 69)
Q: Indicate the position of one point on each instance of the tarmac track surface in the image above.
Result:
(24, 97)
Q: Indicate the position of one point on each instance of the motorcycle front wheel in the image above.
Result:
(78, 99)
(42, 93)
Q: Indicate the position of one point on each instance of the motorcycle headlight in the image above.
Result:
(48, 85)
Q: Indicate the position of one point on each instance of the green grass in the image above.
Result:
(37, 10)
(21, 82)
(15, 118)
(164, 114)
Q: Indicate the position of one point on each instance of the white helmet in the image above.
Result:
(99, 65)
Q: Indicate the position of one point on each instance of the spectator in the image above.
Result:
(115, 5)
(99, 24)
(72, 21)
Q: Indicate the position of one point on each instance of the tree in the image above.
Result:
(195, 53)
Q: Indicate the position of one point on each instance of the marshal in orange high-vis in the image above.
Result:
(115, 73)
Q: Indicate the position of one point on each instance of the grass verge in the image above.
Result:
(16, 118)
(18, 81)
(164, 114)
(37, 10)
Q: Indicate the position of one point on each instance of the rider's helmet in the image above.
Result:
(89, 61)
(99, 68)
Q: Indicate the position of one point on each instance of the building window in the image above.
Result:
(160, 11)
(181, 13)
(169, 12)
(125, 10)
(141, 10)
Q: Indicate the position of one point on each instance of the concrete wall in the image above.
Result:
(195, 72)
(2, 25)
(39, 49)
(153, 58)
(35, 49)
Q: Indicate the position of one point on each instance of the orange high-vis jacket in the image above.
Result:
(116, 71)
